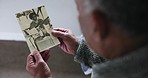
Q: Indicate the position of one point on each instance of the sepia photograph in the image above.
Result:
(36, 27)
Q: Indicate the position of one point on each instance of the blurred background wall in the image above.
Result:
(62, 13)
(13, 56)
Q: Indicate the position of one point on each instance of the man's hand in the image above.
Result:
(69, 42)
(37, 67)
(45, 55)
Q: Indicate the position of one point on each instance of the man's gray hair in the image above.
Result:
(130, 15)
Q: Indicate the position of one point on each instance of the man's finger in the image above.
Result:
(37, 56)
(30, 60)
(45, 55)
(60, 29)
(58, 34)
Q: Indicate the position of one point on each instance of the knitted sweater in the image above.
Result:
(132, 65)
(85, 56)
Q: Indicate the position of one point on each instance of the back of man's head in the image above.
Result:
(129, 15)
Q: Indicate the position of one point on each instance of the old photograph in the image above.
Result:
(36, 27)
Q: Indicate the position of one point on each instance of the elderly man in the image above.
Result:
(115, 30)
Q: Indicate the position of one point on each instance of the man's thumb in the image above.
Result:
(37, 56)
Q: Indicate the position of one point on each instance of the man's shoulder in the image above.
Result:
(127, 66)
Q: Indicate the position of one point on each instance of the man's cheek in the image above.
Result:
(83, 24)
(84, 28)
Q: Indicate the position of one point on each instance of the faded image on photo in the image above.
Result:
(36, 27)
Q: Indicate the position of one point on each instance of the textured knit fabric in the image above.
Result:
(132, 65)
(85, 55)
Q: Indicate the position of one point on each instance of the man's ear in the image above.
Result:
(101, 24)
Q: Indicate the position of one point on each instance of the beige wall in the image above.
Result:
(13, 56)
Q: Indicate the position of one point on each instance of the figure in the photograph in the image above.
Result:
(39, 25)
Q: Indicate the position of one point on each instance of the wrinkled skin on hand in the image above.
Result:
(37, 66)
(69, 43)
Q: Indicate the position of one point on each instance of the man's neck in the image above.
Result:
(121, 44)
